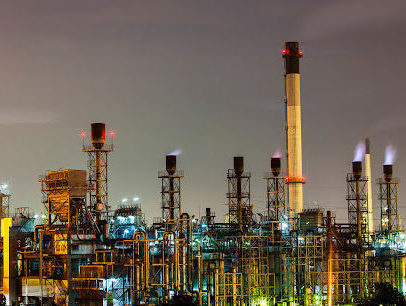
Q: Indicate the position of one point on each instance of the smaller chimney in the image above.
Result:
(98, 135)
(208, 212)
(171, 164)
(387, 172)
(276, 166)
(357, 169)
(238, 165)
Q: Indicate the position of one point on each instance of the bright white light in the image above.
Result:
(176, 152)
(4, 186)
(285, 226)
(124, 200)
(136, 199)
(35, 216)
(126, 231)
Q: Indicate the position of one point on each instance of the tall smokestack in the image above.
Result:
(369, 185)
(292, 54)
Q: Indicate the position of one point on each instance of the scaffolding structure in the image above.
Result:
(4, 204)
(388, 197)
(358, 206)
(276, 200)
(239, 196)
(171, 190)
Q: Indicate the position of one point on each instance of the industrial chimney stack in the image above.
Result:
(292, 54)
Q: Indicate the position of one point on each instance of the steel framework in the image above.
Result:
(358, 207)
(239, 199)
(388, 197)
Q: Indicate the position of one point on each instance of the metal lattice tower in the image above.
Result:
(239, 198)
(98, 170)
(275, 190)
(388, 196)
(358, 203)
(171, 190)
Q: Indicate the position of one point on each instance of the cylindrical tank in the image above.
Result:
(98, 135)
(171, 164)
(387, 172)
(357, 169)
(276, 166)
(238, 165)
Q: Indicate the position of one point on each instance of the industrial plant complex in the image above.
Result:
(82, 252)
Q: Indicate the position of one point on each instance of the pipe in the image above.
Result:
(292, 55)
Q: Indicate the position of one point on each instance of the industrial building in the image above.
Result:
(84, 253)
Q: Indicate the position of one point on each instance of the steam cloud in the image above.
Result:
(390, 155)
(277, 154)
(359, 151)
(176, 152)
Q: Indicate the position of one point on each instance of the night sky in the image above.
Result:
(205, 77)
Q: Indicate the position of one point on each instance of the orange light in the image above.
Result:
(295, 179)
(112, 133)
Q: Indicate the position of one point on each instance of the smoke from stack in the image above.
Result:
(277, 154)
(359, 151)
(176, 152)
(390, 155)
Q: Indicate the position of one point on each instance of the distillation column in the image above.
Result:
(295, 179)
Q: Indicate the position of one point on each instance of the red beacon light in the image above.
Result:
(112, 133)
(300, 53)
(295, 179)
(83, 134)
(285, 52)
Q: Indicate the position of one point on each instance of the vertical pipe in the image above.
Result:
(292, 55)
(171, 199)
(359, 215)
(330, 262)
(348, 279)
(389, 204)
(99, 205)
